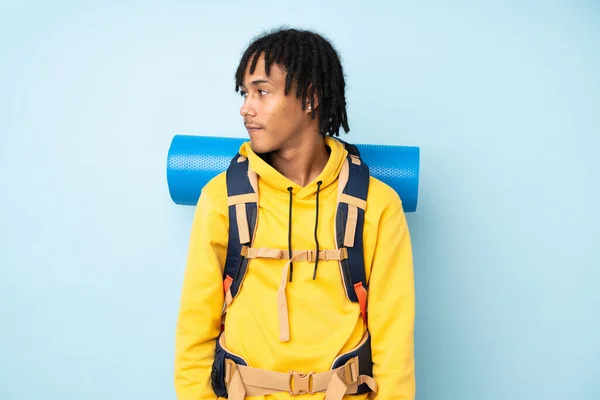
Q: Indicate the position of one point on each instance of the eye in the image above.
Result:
(242, 93)
(262, 92)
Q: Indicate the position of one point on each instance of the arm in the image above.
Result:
(392, 310)
(201, 303)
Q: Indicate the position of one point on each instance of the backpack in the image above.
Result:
(242, 189)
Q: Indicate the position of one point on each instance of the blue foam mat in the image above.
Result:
(192, 161)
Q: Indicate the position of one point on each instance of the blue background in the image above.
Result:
(502, 97)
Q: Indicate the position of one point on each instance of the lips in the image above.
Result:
(253, 128)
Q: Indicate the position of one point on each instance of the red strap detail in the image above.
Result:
(361, 294)
(227, 283)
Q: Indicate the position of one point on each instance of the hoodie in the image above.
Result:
(322, 322)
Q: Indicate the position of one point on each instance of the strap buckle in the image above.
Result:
(230, 369)
(351, 371)
(301, 383)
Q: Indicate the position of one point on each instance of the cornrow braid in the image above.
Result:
(312, 62)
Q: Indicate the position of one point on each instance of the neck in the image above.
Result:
(303, 160)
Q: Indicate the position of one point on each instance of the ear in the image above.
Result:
(311, 92)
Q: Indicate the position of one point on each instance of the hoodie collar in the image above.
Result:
(276, 180)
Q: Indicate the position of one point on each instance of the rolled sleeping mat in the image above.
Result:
(192, 161)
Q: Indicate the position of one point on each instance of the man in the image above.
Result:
(289, 325)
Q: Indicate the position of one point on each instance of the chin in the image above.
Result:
(261, 147)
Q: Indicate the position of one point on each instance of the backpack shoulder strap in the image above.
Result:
(350, 216)
(242, 199)
(350, 148)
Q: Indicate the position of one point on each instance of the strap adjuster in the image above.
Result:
(351, 372)
(343, 253)
(230, 369)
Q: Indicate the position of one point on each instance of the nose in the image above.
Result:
(247, 109)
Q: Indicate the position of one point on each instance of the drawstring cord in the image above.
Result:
(290, 234)
(316, 226)
(290, 189)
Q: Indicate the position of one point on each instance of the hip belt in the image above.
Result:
(350, 374)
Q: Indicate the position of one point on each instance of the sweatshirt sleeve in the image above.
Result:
(201, 302)
(391, 310)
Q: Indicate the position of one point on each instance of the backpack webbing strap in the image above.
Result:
(297, 255)
(242, 192)
(352, 198)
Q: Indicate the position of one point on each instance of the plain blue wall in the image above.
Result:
(503, 98)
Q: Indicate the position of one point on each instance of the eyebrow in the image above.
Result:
(258, 82)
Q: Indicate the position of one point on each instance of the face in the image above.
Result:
(273, 120)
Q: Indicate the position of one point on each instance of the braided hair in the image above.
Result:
(312, 62)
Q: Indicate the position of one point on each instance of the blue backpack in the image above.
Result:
(349, 220)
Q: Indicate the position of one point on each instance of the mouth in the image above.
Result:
(253, 128)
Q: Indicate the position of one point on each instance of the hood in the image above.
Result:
(278, 182)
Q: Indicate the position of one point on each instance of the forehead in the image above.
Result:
(276, 75)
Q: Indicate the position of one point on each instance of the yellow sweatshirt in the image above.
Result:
(323, 323)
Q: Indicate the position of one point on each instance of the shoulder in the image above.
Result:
(382, 200)
(214, 194)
